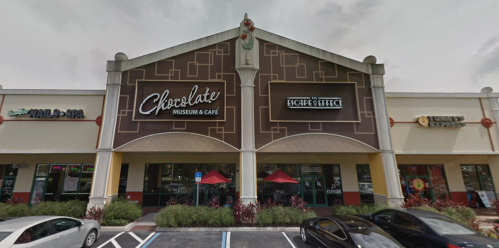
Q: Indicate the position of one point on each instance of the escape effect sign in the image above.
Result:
(179, 100)
(314, 103)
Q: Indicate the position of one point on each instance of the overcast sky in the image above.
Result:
(438, 46)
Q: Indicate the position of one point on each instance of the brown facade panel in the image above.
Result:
(302, 73)
(211, 67)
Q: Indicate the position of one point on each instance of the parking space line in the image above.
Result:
(145, 240)
(227, 245)
(292, 245)
(150, 241)
(116, 245)
(223, 240)
(105, 243)
(135, 237)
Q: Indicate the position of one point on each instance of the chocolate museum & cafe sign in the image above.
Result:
(156, 101)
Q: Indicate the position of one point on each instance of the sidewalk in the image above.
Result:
(145, 223)
(486, 217)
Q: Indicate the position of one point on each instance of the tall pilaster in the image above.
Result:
(392, 180)
(247, 66)
(494, 106)
(98, 196)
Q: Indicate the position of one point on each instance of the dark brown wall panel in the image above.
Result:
(214, 63)
(281, 64)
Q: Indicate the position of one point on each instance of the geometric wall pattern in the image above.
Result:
(212, 63)
(282, 64)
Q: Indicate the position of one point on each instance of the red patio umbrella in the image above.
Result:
(213, 178)
(280, 177)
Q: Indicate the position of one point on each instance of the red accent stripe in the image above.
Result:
(50, 120)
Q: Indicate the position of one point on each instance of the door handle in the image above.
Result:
(60, 237)
(386, 227)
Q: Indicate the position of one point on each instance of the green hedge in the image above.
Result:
(183, 215)
(75, 209)
(119, 210)
(12, 211)
(280, 215)
(362, 209)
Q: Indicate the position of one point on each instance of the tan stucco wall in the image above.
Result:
(347, 164)
(21, 133)
(25, 175)
(409, 138)
(136, 164)
(452, 165)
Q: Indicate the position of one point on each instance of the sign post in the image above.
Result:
(198, 179)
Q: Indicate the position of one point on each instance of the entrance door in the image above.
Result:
(313, 190)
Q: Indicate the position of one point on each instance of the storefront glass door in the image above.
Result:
(7, 181)
(428, 181)
(61, 182)
(164, 182)
(314, 192)
(478, 178)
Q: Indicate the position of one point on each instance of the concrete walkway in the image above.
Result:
(145, 223)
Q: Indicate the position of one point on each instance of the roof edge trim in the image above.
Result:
(172, 51)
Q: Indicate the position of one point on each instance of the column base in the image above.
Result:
(395, 202)
(392, 202)
(248, 199)
(97, 202)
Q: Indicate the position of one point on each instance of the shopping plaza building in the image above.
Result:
(246, 103)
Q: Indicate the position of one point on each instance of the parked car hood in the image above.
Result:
(474, 241)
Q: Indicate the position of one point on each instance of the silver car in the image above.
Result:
(48, 232)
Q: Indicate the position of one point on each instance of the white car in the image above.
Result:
(48, 232)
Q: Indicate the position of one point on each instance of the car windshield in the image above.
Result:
(372, 237)
(4, 235)
(446, 226)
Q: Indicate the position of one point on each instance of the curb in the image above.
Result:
(228, 229)
(126, 228)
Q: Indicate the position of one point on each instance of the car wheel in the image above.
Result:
(90, 239)
(303, 234)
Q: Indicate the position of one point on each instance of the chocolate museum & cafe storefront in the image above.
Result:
(246, 103)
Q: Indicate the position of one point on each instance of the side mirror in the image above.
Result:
(80, 223)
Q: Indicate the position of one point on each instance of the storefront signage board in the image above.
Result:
(179, 101)
(313, 102)
(485, 199)
(441, 121)
(48, 113)
(325, 102)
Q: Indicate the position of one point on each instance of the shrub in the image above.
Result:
(13, 210)
(75, 208)
(94, 213)
(467, 213)
(122, 210)
(298, 203)
(245, 214)
(362, 209)
(184, 215)
(416, 200)
(282, 216)
(118, 222)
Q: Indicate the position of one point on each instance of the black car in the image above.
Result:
(345, 232)
(422, 229)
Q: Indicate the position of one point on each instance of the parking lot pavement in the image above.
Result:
(200, 239)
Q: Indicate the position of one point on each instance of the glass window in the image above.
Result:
(4, 235)
(365, 183)
(385, 216)
(470, 178)
(331, 227)
(446, 226)
(406, 221)
(438, 182)
(61, 225)
(34, 233)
